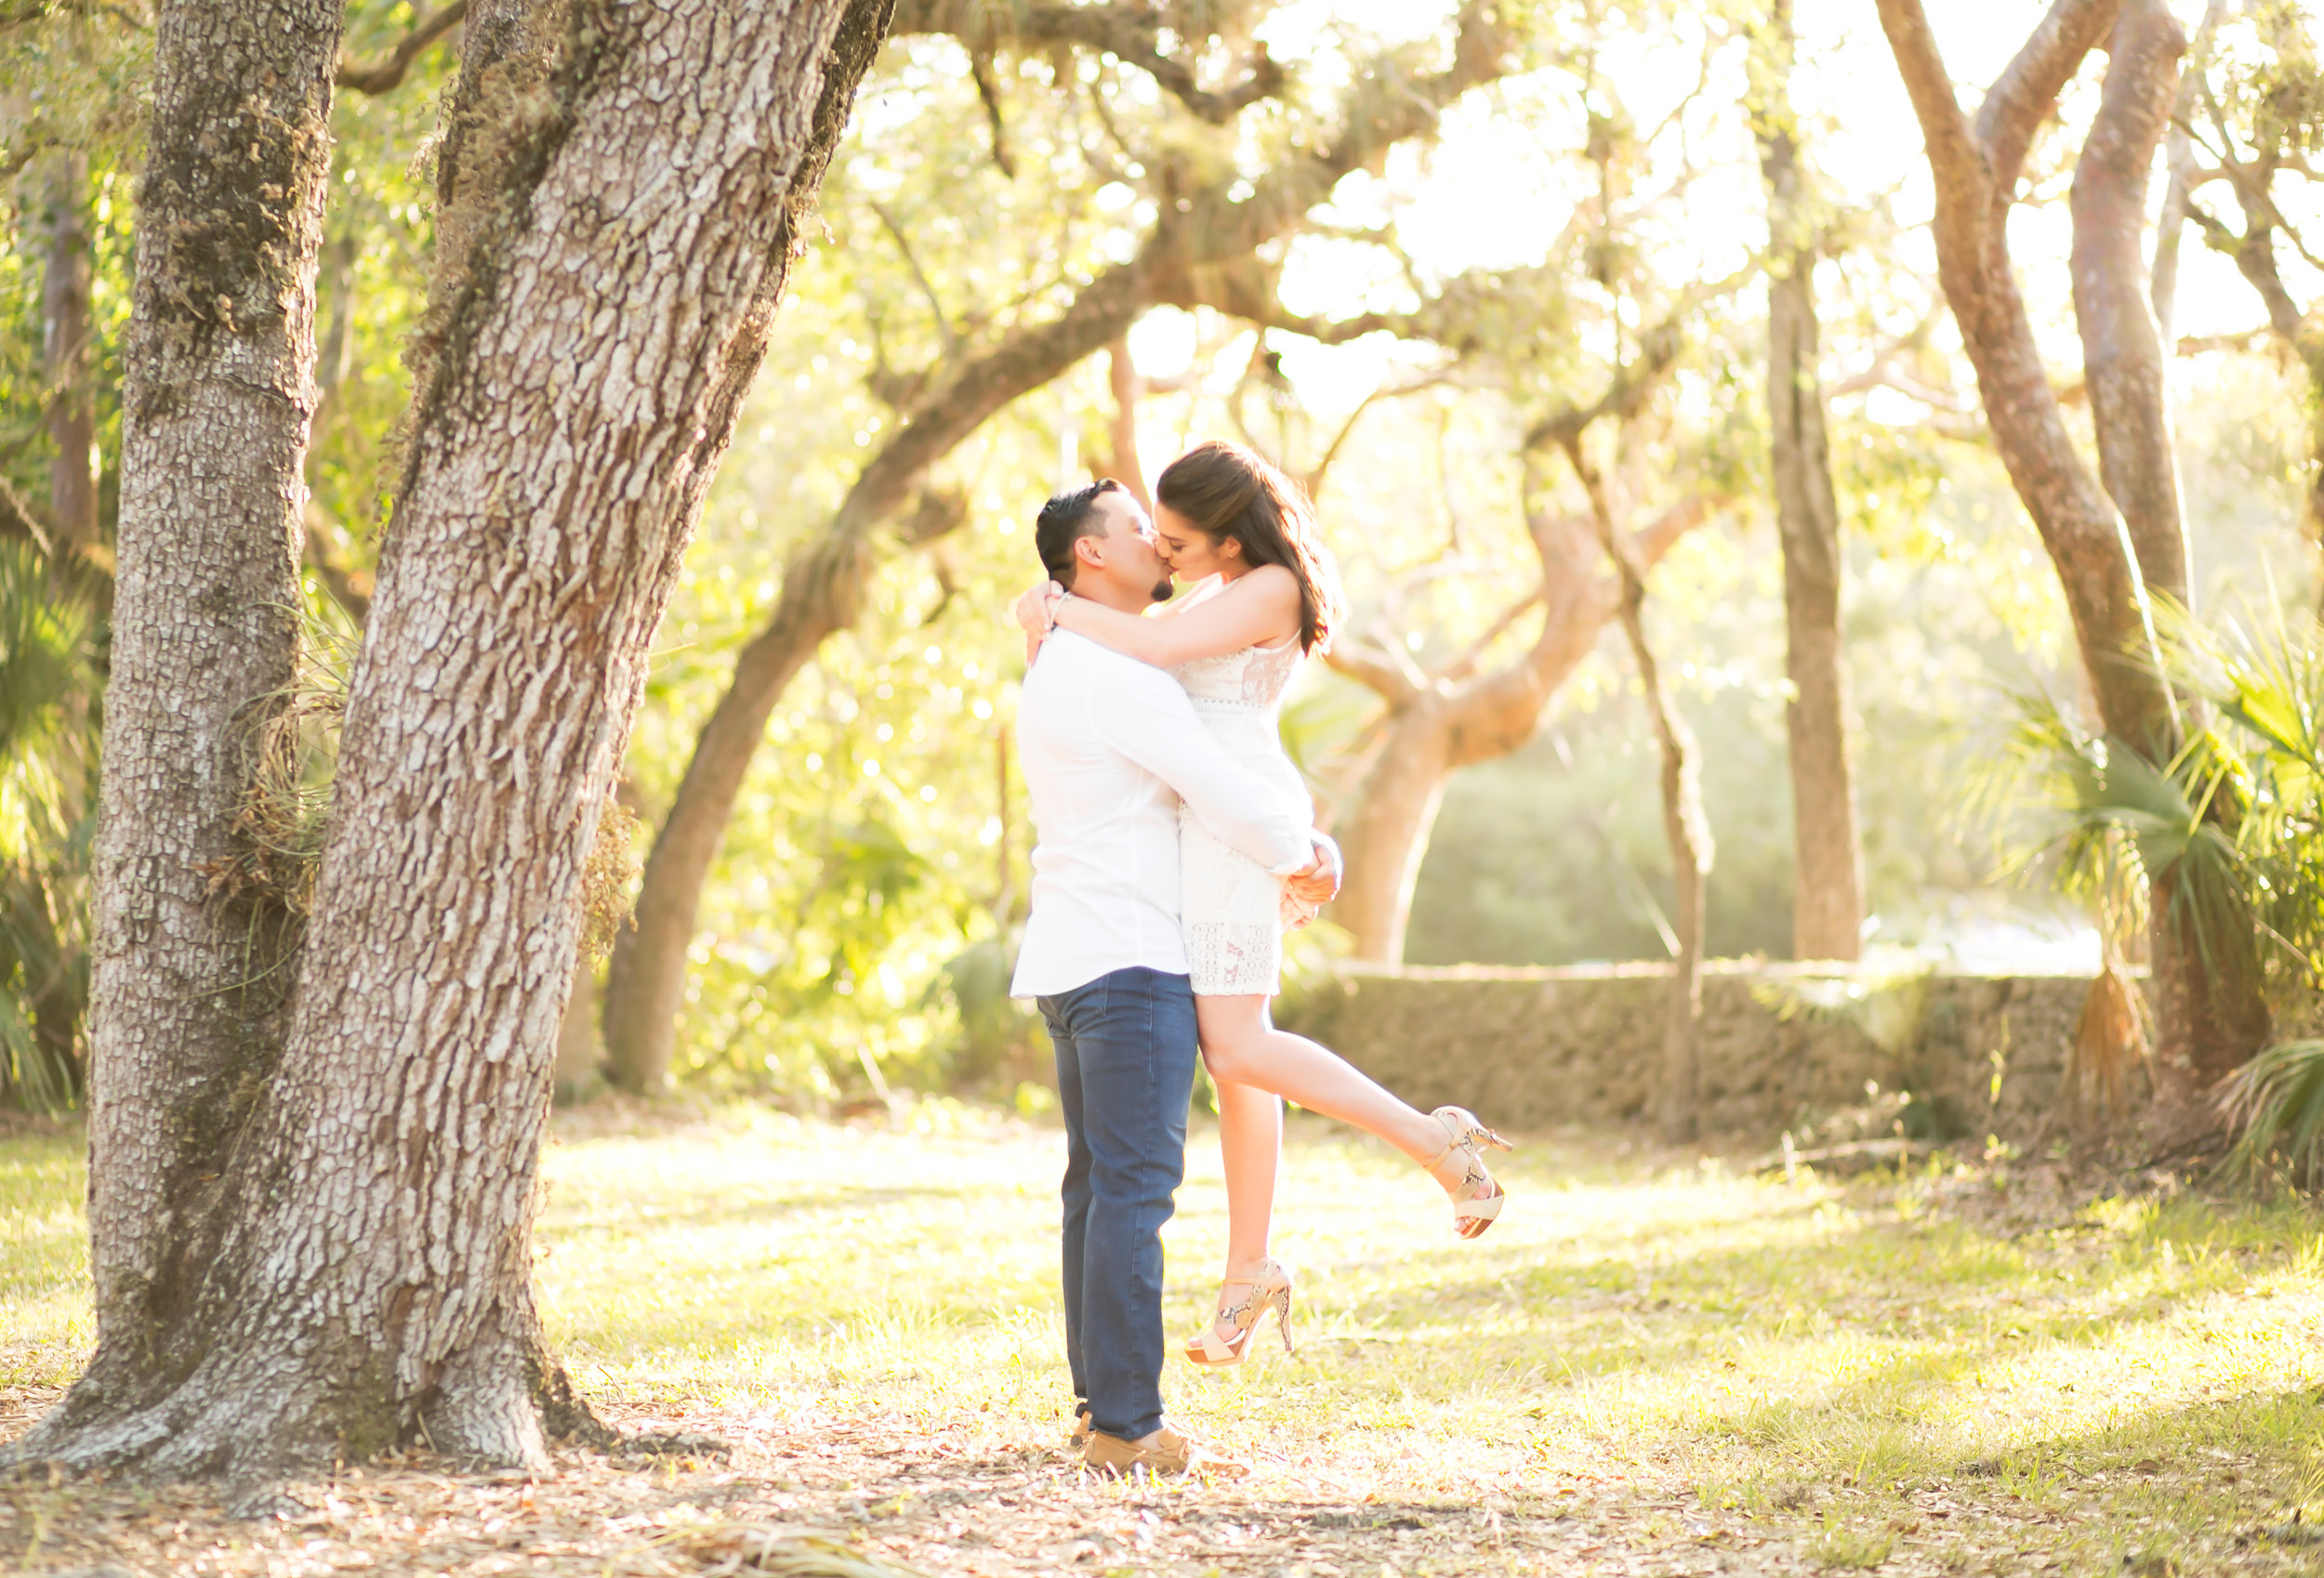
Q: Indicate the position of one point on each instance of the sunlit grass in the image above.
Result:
(1814, 1355)
(46, 1328)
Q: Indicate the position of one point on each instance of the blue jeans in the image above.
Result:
(1124, 1070)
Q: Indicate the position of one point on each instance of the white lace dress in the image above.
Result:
(1235, 910)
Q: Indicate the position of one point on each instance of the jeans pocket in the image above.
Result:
(1082, 1004)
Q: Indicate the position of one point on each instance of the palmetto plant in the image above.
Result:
(2108, 826)
(2276, 1103)
(2234, 825)
(2266, 689)
(50, 721)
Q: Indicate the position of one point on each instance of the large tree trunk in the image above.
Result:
(1201, 252)
(185, 1023)
(1828, 862)
(372, 1279)
(70, 357)
(2213, 1016)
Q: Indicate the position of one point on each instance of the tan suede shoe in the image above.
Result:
(1082, 1426)
(1169, 1453)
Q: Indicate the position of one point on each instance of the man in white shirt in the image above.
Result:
(1110, 747)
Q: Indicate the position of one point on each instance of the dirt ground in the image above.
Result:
(863, 1497)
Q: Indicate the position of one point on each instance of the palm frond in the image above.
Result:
(2276, 1102)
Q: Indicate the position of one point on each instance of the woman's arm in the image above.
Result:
(1255, 610)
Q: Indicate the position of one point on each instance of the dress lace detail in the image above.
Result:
(1235, 909)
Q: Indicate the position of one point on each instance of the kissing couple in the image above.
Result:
(1175, 843)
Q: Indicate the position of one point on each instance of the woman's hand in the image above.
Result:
(1036, 615)
(1033, 608)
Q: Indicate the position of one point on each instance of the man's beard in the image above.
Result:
(1165, 589)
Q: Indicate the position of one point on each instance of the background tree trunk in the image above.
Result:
(68, 342)
(1828, 863)
(2122, 358)
(1684, 826)
(1434, 724)
(372, 1284)
(1384, 835)
(579, 1052)
(2213, 1016)
(185, 1024)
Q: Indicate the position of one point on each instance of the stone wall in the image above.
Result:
(1784, 1046)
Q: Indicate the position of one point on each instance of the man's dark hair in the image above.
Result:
(1065, 521)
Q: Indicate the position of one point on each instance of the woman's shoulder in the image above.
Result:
(1272, 579)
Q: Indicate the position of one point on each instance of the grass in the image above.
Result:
(1965, 1370)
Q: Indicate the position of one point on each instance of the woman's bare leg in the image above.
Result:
(1250, 1144)
(1241, 1047)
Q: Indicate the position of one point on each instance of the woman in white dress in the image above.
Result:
(1264, 596)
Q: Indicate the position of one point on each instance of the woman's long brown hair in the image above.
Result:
(1223, 490)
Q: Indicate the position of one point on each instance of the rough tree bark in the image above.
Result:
(2213, 1018)
(370, 1279)
(69, 356)
(1828, 862)
(1203, 251)
(1684, 826)
(185, 1024)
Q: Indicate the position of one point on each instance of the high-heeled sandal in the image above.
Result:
(1476, 1199)
(1270, 1287)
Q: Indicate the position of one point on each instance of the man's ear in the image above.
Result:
(1087, 553)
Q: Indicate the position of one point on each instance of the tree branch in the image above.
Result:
(928, 290)
(1314, 480)
(1629, 391)
(1211, 238)
(1963, 181)
(1381, 675)
(2122, 355)
(1128, 31)
(18, 520)
(2196, 344)
(1461, 667)
(2026, 92)
(2186, 176)
(981, 68)
(388, 70)
(1650, 543)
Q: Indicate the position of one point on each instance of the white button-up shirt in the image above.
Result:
(1109, 747)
